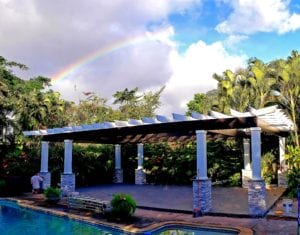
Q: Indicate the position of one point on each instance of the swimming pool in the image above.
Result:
(15, 220)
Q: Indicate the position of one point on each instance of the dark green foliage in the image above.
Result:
(93, 164)
(235, 180)
(52, 195)
(268, 171)
(293, 182)
(224, 159)
(123, 206)
(167, 164)
(52, 192)
(2, 187)
(293, 159)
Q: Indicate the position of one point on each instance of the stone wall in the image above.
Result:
(202, 195)
(118, 176)
(67, 184)
(257, 197)
(140, 177)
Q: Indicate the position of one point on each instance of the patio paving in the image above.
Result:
(228, 201)
(275, 224)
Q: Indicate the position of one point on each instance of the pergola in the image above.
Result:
(181, 128)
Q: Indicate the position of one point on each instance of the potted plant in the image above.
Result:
(52, 195)
(123, 206)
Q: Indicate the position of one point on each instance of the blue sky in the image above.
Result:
(181, 42)
(200, 22)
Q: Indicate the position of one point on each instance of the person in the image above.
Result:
(36, 182)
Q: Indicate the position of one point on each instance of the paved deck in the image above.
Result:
(229, 201)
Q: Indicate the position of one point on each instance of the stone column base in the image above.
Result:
(140, 176)
(202, 195)
(46, 179)
(67, 184)
(246, 176)
(257, 197)
(118, 176)
(282, 179)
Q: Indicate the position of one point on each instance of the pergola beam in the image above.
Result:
(158, 131)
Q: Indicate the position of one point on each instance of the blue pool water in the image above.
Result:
(15, 220)
(187, 230)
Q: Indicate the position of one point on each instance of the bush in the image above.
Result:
(293, 182)
(293, 160)
(235, 180)
(123, 206)
(268, 173)
(52, 192)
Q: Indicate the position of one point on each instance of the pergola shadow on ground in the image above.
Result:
(227, 201)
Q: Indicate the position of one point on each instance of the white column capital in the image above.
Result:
(68, 141)
(201, 132)
(255, 129)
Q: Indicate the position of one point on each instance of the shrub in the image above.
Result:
(52, 192)
(235, 180)
(123, 206)
(293, 160)
(267, 171)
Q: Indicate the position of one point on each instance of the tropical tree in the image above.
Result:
(136, 106)
(287, 90)
(201, 103)
(261, 79)
(92, 109)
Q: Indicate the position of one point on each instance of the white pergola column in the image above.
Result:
(201, 155)
(118, 175)
(202, 202)
(140, 177)
(117, 156)
(68, 157)
(68, 178)
(247, 171)
(282, 178)
(256, 152)
(44, 156)
(140, 156)
(257, 186)
(44, 165)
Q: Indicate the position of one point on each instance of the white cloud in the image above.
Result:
(48, 37)
(192, 73)
(251, 16)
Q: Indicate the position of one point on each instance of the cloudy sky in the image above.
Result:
(104, 46)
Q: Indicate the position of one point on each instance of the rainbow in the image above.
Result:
(89, 58)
